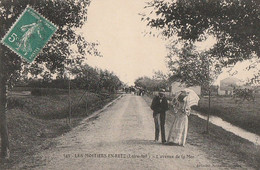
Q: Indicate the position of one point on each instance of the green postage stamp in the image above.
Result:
(29, 34)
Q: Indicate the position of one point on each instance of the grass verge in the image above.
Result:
(223, 148)
(244, 114)
(34, 120)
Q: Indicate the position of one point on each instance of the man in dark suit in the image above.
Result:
(159, 106)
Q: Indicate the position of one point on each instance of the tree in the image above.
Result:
(86, 77)
(71, 14)
(194, 69)
(109, 80)
(89, 78)
(234, 23)
(152, 84)
(159, 75)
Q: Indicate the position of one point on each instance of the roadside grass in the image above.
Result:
(34, 120)
(245, 114)
(223, 148)
(57, 106)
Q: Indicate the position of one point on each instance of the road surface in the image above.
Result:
(120, 137)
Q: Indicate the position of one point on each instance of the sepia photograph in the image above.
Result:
(129, 84)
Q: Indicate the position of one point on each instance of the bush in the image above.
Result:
(36, 92)
(48, 91)
(13, 102)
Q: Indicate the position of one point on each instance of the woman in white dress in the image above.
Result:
(179, 128)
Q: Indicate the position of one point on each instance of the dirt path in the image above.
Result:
(120, 137)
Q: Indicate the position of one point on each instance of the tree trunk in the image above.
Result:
(209, 110)
(3, 107)
(70, 102)
(209, 88)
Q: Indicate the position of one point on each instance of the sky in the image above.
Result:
(117, 26)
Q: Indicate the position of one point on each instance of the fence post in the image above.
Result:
(86, 106)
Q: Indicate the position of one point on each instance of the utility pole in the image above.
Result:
(67, 75)
(69, 101)
(209, 110)
(209, 102)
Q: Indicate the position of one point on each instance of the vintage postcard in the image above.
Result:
(130, 84)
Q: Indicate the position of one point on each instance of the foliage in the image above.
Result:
(72, 14)
(80, 77)
(244, 94)
(87, 77)
(151, 84)
(48, 91)
(159, 75)
(235, 24)
(192, 67)
(67, 15)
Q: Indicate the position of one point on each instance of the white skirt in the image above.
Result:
(178, 130)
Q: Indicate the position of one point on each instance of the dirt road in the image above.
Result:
(120, 137)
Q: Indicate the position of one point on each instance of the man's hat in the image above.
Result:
(161, 91)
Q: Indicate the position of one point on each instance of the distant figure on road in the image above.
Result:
(159, 106)
(179, 127)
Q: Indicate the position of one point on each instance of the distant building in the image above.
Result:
(177, 86)
(227, 85)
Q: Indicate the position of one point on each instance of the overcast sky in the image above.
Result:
(119, 30)
(126, 51)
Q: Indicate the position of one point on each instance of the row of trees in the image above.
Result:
(55, 56)
(149, 84)
(233, 23)
(157, 82)
(81, 77)
(89, 78)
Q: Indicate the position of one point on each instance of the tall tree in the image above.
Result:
(234, 23)
(194, 69)
(89, 78)
(152, 84)
(67, 15)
